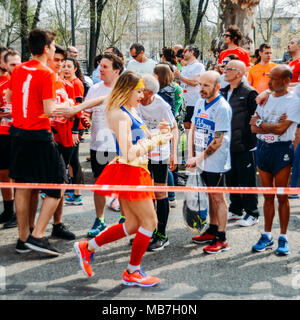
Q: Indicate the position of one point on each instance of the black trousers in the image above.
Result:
(243, 174)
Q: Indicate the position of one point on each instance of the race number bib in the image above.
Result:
(204, 132)
(199, 140)
(270, 138)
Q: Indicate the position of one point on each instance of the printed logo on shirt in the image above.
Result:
(286, 157)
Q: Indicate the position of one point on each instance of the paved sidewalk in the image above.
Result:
(186, 272)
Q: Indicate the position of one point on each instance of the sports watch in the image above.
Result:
(258, 122)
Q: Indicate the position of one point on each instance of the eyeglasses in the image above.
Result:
(231, 69)
(226, 35)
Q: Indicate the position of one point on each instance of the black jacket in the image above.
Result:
(243, 104)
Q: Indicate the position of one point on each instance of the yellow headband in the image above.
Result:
(140, 85)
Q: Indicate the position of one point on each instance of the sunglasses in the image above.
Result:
(185, 50)
(135, 55)
(231, 69)
(226, 35)
(224, 63)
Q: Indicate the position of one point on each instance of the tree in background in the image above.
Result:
(59, 17)
(118, 15)
(190, 33)
(4, 21)
(96, 10)
(239, 13)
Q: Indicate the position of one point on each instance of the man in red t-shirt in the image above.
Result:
(62, 129)
(294, 51)
(232, 37)
(11, 59)
(35, 157)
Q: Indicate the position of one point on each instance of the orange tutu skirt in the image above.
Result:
(124, 174)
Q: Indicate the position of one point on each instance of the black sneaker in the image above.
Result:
(5, 217)
(159, 242)
(21, 248)
(12, 222)
(41, 245)
(61, 231)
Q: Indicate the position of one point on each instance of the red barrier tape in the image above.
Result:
(94, 187)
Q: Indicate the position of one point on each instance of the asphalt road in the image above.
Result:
(186, 272)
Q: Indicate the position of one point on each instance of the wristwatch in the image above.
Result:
(258, 122)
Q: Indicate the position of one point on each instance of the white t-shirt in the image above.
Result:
(102, 138)
(296, 90)
(152, 115)
(142, 67)
(208, 119)
(274, 109)
(191, 94)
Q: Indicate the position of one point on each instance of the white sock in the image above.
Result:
(132, 269)
(269, 235)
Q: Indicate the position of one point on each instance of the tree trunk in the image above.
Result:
(92, 35)
(239, 13)
(36, 18)
(24, 30)
(191, 35)
(95, 26)
(186, 15)
(4, 13)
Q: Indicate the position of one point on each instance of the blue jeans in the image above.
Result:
(296, 168)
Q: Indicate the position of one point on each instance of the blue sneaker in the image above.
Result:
(263, 244)
(74, 200)
(283, 247)
(97, 228)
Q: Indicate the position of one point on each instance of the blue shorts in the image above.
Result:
(273, 157)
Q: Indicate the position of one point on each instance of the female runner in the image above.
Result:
(128, 168)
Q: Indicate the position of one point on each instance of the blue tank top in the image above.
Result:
(138, 131)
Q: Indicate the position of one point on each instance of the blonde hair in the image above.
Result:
(122, 90)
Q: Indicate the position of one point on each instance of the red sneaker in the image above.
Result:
(139, 278)
(216, 246)
(204, 238)
(85, 257)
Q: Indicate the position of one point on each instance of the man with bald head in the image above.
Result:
(72, 52)
(241, 98)
(208, 149)
(275, 125)
(177, 47)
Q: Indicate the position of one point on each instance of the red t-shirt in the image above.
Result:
(4, 78)
(70, 89)
(31, 83)
(5, 122)
(295, 66)
(240, 52)
(79, 93)
(63, 127)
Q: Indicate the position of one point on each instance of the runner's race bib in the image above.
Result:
(204, 133)
(270, 138)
